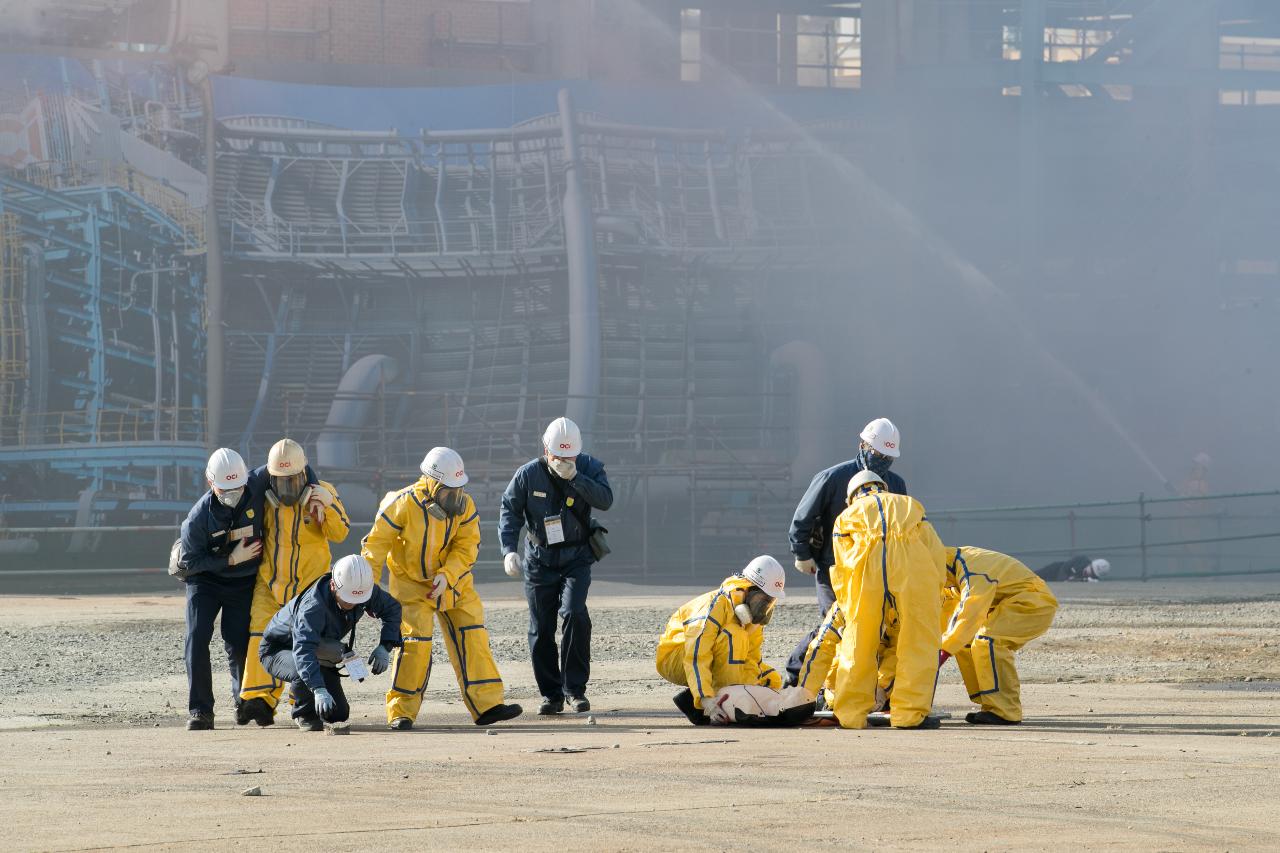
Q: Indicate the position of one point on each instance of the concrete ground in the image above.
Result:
(1151, 715)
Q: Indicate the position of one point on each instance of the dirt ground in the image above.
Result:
(1151, 713)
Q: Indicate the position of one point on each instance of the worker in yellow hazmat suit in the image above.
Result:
(301, 520)
(429, 535)
(1002, 606)
(889, 561)
(715, 640)
(818, 667)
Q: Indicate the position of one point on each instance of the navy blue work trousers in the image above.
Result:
(826, 598)
(551, 593)
(284, 666)
(207, 597)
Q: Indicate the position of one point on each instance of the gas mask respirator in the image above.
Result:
(756, 608)
(288, 490)
(229, 497)
(447, 503)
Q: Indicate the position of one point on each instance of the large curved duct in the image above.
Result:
(812, 407)
(580, 247)
(336, 446)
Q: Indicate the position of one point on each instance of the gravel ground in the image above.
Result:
(92, 699)
(119, 659)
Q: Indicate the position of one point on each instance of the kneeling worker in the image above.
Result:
(303, 643)
(429, 535)
(714, 640)
(1003, 606)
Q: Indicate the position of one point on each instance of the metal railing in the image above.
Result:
(61, 175)
(177, 424)
(1145, 538)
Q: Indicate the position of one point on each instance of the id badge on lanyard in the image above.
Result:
(554, 527)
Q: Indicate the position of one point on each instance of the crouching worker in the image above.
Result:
(714, 641)
(1003, 606)
(304, 643)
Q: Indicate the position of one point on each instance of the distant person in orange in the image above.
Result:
(1196, 485)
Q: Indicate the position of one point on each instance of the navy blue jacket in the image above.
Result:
(535, 493)
(315, 615)
(822, 504)
(211, 530)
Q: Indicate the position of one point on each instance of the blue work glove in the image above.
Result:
(324, 702)
(379, 659)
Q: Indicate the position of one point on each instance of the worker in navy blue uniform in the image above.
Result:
(221, 547)
(822, 504)
(552, 498)
(219, 552)
(304, 642)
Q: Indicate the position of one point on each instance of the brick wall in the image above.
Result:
(472, 34)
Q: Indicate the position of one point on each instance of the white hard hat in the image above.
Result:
(226, 470)
(859, 480)
(766, 573)
(562, 438)
(286, 458)
(353, 579)
(1202, 459)
(883, 437)
(1100, 567)
(445, 467)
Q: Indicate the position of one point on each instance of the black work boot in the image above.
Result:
(400, 724)
(309, 724)
(257, 710)
(579, 703)
(550, 706)
(684, 701)
(200, 721)
(987, 718)
(498, 713)
(927, 723)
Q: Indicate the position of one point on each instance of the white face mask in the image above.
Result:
(229, 497)
(563, 468)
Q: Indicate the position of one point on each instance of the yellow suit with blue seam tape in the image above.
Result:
(416, 548)
(1002, 606)
(295, 551)
(889, 562)
(706, 648)
(818, 669)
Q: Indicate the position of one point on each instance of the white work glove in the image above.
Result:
(324, 702)
(319, 493)
(244, 552)
(512, 565)
(439, 584)
(319, 499)
(809, 567)
(379, 658)
(719, 716)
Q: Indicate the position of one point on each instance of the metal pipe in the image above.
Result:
(215, 349)
(580, 251)
(336, 446)
(442, 170)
